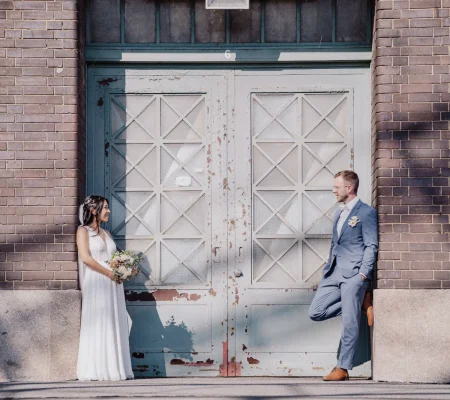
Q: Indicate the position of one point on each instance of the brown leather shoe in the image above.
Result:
(368, 308)
(337, 374)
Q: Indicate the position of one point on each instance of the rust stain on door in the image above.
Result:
(161, 295)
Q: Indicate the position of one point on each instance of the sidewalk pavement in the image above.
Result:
(223, 389)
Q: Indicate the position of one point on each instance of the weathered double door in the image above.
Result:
(222, 178)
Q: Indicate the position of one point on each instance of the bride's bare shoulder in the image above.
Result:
(82, 230)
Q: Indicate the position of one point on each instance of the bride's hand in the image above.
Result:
(110, 275)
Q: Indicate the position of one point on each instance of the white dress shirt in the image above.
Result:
(347, 209)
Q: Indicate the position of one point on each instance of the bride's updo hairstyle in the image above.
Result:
(91, 202)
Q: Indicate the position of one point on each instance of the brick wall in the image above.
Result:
(41, 131)
(411, 137)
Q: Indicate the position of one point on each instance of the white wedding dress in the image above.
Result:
(104, 352)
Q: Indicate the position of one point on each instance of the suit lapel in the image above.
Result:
(335, 222)
(352, 213)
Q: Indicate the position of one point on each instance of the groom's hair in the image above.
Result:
(350, 177)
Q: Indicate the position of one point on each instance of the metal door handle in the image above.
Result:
(241, 255)
(216, 254)
(237, 273)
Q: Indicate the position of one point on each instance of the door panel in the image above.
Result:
(163, 175)
(294, 131)
(298, 141)
(223, 180)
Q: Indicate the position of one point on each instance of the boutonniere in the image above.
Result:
(353, 221)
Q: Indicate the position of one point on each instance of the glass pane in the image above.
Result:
(104, 21)
(140, 21)
(183, 261)
(315, 21)
(173, 222)
(316, 214)
(134, 227)
(333, 107)
(209, 24)
(245, 25)
(265, 269)
(314, 256)
(285, 221)
(314, 174)
(266, 108)
(174, 175)
(194, 204)
(119, 117)
(280, 21)
(134, 132)
(192, 126)
(351, 20)
(118, 212)
(118, 166)
(175, 21)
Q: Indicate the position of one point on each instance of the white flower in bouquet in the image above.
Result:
(124, 264)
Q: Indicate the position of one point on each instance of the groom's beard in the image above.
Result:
(341, 199)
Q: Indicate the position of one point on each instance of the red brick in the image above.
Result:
(38, 15)
(425, 3)
(416, 88)
(6, 5)
(30, 285)
(389, 274)
(442, 275)
(414, 256)
(401, 284)
(69, 285)
(422, 60)
(66, 275)
(417, 275)
(421, 41)
(441, 32)
(388, 14)
(441, 256)
(39, 53)
(425, 265)
(417, 32)
(386, 283)
(425, 284)
(54, 6)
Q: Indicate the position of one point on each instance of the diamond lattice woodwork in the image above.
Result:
(299, 141)
(156, 180)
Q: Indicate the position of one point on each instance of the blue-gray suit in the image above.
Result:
(341, 290)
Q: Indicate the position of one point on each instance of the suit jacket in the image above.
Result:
(355, 250)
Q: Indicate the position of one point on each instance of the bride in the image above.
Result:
(104, 352)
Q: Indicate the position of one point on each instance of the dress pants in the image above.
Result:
(335, 296)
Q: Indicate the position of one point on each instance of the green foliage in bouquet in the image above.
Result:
(125, 264)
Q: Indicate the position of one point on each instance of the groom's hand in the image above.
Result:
(363, 277)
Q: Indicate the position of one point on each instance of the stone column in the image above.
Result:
(42, 119)
(411, 188)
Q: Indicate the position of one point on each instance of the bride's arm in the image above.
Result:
(83, 251)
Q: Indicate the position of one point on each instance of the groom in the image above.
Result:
(346, 276)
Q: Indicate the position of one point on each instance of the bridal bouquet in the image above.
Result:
(124, 264)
